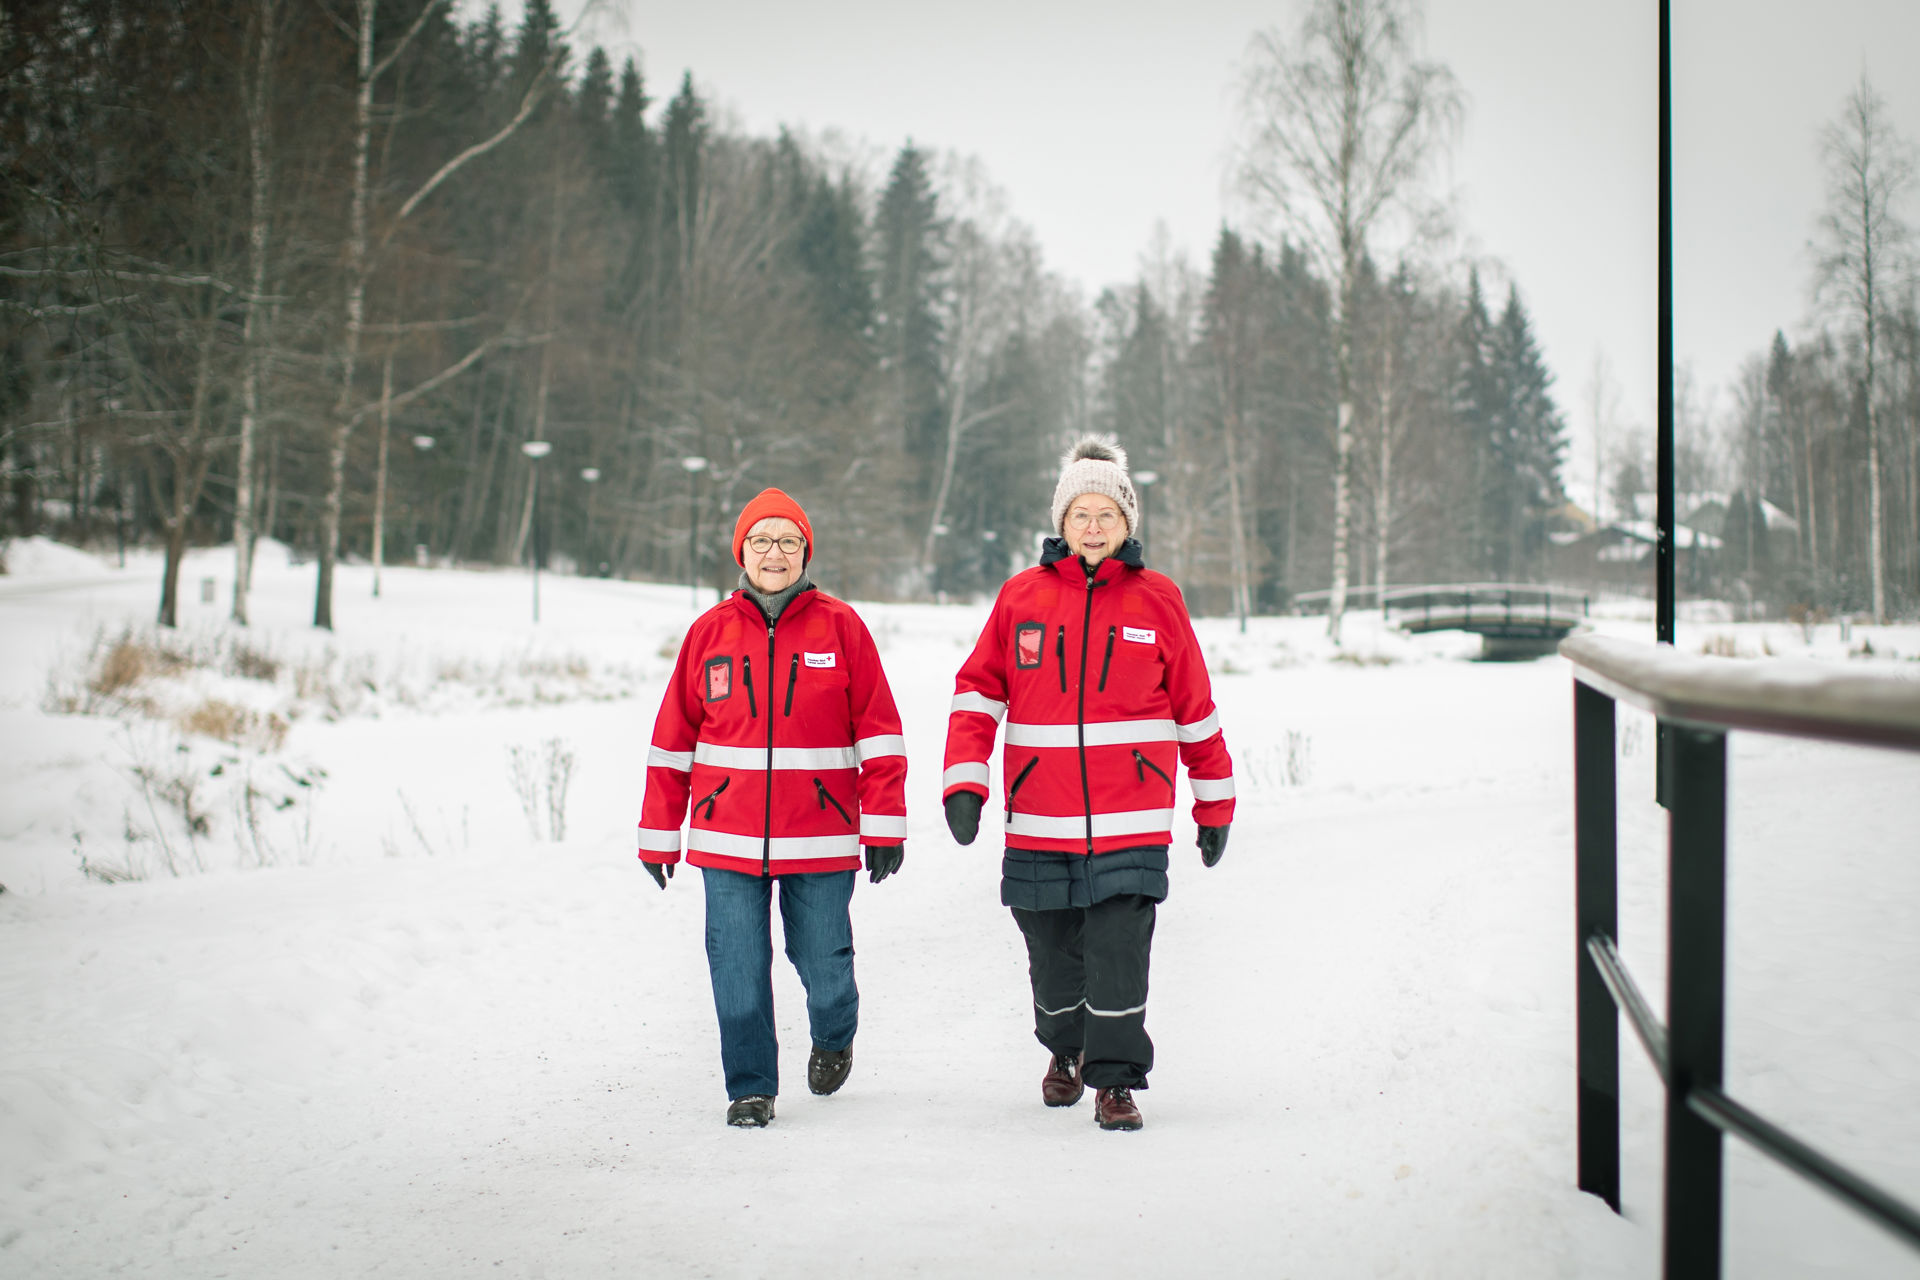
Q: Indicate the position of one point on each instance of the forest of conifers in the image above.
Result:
(316, 272)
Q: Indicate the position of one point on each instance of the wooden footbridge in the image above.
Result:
(1514, 620)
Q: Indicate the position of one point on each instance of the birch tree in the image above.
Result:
(1341, 122)
(361, 253)
(986, 269)
(259, 145)
(1863, 249)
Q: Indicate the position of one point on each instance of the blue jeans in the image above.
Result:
(819, 931)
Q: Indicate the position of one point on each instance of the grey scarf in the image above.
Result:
(774, 605)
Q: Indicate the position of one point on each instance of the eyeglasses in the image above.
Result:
(1107, 519)
(760, 544)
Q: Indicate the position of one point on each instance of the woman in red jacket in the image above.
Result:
(1091, 659)
(779, 725)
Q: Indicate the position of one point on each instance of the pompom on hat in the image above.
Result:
(766, 505)
(1095, 464)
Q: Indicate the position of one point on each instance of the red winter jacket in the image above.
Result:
(785, 736)
(1102, 684)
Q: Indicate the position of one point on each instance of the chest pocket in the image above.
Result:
(1131, 668)
(815, 680)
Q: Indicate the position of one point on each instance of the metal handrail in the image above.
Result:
(1626, 996)
(1802, 698)
(1697, 701)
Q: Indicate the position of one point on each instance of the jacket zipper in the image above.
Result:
(826, 798)
(793, 678)
(746, 673)
(1107, 661)
(1060, 652)
(766, 841)
(1080, 711)
(1015, 788)
(1139, 759)
(711, 798)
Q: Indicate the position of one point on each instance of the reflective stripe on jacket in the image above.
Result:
(785, 739)
(1103, 689)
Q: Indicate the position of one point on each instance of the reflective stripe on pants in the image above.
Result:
(1088, 967)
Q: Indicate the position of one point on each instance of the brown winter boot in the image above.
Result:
(1062, 1085)
(1113, 1109)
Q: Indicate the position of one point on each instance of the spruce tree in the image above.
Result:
(908, 231)
(1529, 438)
(630, 172)
(1476, 414)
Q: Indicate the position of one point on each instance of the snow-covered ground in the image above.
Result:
(379, 1017)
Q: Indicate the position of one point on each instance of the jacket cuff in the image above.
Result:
(969, 775)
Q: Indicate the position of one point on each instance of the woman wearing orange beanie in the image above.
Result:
(780, 728)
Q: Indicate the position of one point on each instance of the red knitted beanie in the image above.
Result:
(769, 503)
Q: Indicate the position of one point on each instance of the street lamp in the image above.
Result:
(589, 474)
(1145, 480)
(535, 450)
(694, 464)
(422, 446)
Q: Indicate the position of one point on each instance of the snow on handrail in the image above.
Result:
(1797, 697)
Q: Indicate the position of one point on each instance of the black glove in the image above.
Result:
(963, 815)
(883, 860)
(1213, 843)
(660, 871)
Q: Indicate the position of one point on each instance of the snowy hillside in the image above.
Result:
(328, 955)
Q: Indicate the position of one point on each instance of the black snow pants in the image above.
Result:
(1088, 966)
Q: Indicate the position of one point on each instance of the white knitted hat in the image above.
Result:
(1095, 464)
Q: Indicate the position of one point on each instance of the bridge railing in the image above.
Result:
(1698, 700)
(1485, 602)
(1488, 595)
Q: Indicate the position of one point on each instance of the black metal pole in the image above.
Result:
(1596, 911)
(1663, 462)
(1663, 431)
(693, 538)
(1696, 998)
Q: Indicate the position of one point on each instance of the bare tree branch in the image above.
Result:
(393, 55)
(535, 92)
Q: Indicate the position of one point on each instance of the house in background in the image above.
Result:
(1619, 555)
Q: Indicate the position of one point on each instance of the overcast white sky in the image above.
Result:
(1102, 117)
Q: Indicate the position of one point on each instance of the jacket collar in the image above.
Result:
(1054, 551)
(800, 601)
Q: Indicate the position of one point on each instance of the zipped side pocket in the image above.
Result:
(746, 668)
(826, 798)
(793, 678)
(711, 798)
(1015, 788)
(1141, 764)
(1060, 652)
(1107, 661)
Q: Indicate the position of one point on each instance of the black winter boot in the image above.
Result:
(827, 1068)
(750, 1112)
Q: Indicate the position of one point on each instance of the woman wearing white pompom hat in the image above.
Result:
(1091, 659)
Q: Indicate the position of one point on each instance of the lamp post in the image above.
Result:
(588, 474)
(536, 450)
(694, 464)
(1144, 480)
(422, 446)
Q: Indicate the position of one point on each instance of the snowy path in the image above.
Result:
(503, 1056)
